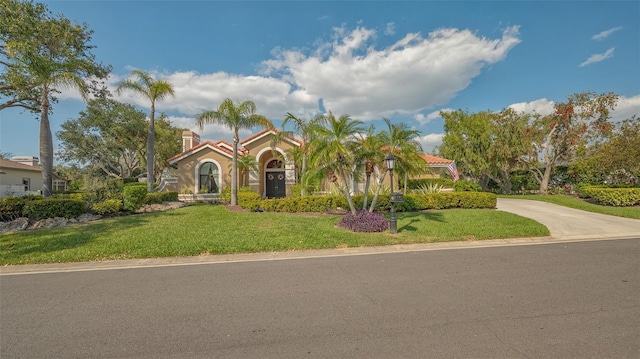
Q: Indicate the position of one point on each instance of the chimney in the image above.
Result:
(26, 160)
(190, 139)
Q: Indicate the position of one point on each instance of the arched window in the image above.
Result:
(274, 164)
(209, 178)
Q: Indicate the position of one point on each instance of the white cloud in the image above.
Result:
(423, 120)
(606, 33)
(390, 29)
(626, 108)
(349, 73)
(415, 73)
(430, 142)
(598, 57)
(210, 132)
(541, 106)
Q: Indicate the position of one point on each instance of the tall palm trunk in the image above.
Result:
(234, 169)
(151, 134)
(368, 171)
(375, 197)
(46, 145)
(303, 191)
(347, 192)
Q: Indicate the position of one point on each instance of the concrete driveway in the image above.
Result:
(568, 223)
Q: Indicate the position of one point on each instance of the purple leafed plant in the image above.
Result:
(364, 221)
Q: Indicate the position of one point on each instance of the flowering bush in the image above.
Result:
(364, 221)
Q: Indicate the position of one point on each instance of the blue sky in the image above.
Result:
(402, 60)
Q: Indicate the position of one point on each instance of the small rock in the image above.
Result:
(87, 217)
(49, 223)
(19, 224)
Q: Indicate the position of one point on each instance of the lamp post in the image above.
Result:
(390, 161)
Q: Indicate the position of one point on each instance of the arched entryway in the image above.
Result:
(274, 181)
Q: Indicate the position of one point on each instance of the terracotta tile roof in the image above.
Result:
(198, 148)
(266, 132)
(18, 166)
(228, 147)
(434, 160)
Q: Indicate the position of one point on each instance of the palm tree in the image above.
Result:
(49, 79)
(43, 53)
(303, 128)
(234, 116)
(153, 90)
(369, 154)
(334, 152)
(403, 144)
(246, 163)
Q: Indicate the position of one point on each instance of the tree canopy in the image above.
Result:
(153, 90)
(489, 146)
(42, 53)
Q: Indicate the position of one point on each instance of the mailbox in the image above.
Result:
(397, 198)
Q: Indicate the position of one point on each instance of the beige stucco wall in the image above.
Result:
(263, 153)
(187, 169)
(11, 181)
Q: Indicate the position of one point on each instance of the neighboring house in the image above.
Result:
(204, 169)
(438, 166)
(20, 176)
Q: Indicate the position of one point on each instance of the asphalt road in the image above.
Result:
(565, 300)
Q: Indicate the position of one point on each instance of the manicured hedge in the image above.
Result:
(412, 202)
(249, 200)
(109, 206)
(12, 207)
(617, 197)
(134, 195)
(52, 207)
(300, 204)
(160, 197)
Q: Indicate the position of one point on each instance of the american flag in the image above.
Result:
(453, 171)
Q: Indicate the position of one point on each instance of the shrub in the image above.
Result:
(250, 200)
(52, 207)
(429, 188)
(364, 221)
(87, 197)
(134, 195)
(153, 197)
(468, 186)
(296, 190)
(109, 206)
(413, 184)
(225, 193)
(169, 196)
(444, 200)
(160, 197)
(617, 197)
(12, 207)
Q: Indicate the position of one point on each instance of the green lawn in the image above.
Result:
(208, 229)
(573, 202)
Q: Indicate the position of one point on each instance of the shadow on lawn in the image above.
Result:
(30, 244)
(417, 217)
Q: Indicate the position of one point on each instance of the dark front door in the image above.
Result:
(275, 184)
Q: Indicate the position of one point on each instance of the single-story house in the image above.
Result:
(20, 178)
(203, 169)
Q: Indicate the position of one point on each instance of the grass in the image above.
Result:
(207, 229)
(577, 203)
